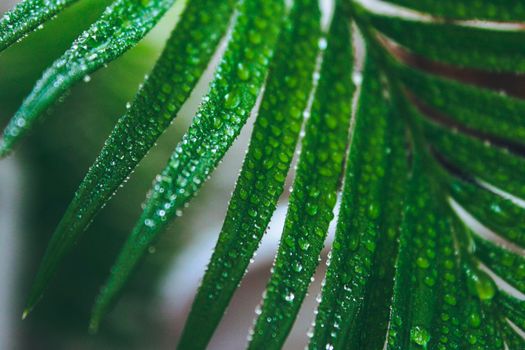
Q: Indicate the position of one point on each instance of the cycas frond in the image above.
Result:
(119, 28)
(26, 17)
(273, 142)
(429, 250)
(356, 293)
(314, 192)
(218, 122)
(155, 106)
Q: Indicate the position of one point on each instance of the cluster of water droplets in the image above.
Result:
(360, 219)
(267, 161)
(155, 105)
(118, 29)
(26, 17)
(312, 201)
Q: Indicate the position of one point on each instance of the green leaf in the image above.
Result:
(355, 298)
(512, 339)
(507, 264)
(506, 10)
(459, 45)
(422, 290)
(262, 178)
(512, 308)
(480, 325)
(119, 28)
(492, 164)
(314, 192)
(487, 111)
(183, 61)
(214, 128)
(26, 17)
(497, 213)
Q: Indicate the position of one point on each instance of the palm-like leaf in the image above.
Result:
(429, 249)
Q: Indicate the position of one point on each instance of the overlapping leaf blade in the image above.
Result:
(266, 164)
(355, 298)
(225, 109)
(421, 291)
(187, 54)
(119, 28)
(487, 111)
(459, 45)
(314, 192)
(497, 213)
(512, 10)
(26, 17)
(507, 264)
(494, 165)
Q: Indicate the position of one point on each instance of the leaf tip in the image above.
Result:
(4, 149)
(93, 325)
(25, 313)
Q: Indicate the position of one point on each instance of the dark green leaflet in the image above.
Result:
(119, 28)
(485, 110)
(497, 213)
(495, 165)
(493, 50)
(261, 181)
(497, 10)
(373, 318)
(214, 128)
(506, 264)
(421, 290)
(26, 17)
(314, 192)
(187, 53)
(368, 221)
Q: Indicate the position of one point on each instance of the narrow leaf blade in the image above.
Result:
(314, 192)
(119, 28)
(262, 178)
(219, 120)
(468, 9)
(156, 104)
(367, 229)
(458, 45)
(26, 17)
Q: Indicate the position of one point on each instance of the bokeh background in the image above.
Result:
(39, 180)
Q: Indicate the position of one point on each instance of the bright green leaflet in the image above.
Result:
(367, 227)
(497, 213)
(374, 316)
(485, 110)
(26, 17)
(119, 28)
(214, 128)
(462, 46)
(272, 145)
(187, 54)
(497, 10)
(495, 165)
(421, 290)
(314, 192)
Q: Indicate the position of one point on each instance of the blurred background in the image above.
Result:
(39, 180)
